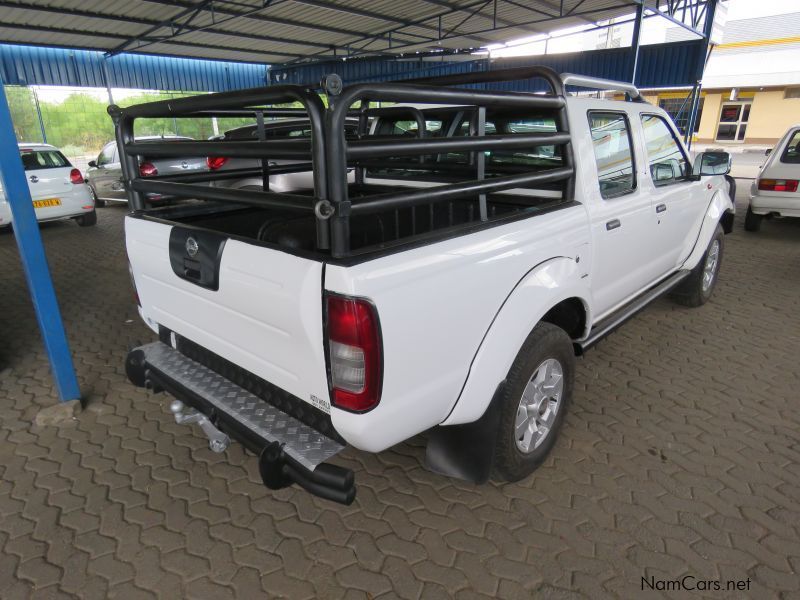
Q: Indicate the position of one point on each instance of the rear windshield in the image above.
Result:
(33, 160)
(792, 153)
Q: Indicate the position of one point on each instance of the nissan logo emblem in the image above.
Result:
(191, 246)
(185, 164)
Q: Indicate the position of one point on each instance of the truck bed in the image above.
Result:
(368, 233)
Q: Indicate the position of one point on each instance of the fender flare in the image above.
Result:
(540, 289)
(719, 205)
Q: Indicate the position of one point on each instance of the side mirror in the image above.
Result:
(92, 163)
(712, 163)
(768, 151)
(662, 172)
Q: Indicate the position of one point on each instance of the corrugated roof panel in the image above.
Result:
(660, 65)
(25, 65)
(107, 24)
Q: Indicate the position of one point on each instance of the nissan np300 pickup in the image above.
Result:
(485, 239)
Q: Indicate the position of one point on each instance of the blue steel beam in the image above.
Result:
(34, 261)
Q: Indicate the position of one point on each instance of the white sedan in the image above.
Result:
(57, 188)
(775, 193)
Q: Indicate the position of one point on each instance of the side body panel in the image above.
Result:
(435, 304)
(266, 315)
(542, 288)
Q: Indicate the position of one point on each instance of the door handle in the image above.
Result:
(661, 208)
(613, 224)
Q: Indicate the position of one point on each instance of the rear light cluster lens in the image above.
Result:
(355, 353)
(778, 185)
(148, 169)
(216, 162)
(75, 176)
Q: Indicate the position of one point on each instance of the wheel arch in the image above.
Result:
(554, 291)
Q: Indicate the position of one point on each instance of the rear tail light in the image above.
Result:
(354, 345)
(75, 176)
(216, 162)
(148, 169)
(778, 185)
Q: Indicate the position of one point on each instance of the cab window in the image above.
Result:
(668, 164)
(107, 154)
(611, 139)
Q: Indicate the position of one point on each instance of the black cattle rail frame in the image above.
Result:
(329, 154)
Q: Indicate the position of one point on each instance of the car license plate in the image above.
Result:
(47, 202)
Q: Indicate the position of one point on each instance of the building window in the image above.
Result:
(733, 118)
(792, 93)
(673, 107)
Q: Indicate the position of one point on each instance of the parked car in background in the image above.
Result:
(104, 175)
(775, 192)
(57, 188)
(279, 129)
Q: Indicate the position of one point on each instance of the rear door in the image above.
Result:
(621, 212)
(257, 307)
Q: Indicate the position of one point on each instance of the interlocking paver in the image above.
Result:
(681, 454)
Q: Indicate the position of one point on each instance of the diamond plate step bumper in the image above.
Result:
(289, 451)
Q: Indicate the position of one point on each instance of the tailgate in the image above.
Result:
(257, 307)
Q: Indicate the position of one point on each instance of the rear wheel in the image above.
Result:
(752, 221)
(87, 219)
(697, 288)
(537, 392)
(97, 202)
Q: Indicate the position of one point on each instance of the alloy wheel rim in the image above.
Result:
(539, 406)
(710, 268)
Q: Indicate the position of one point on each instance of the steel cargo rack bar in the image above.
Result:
(341, 153)
(258, 102)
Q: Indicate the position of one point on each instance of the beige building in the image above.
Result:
(751, 86)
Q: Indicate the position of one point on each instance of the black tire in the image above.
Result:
(752, 221)
(97, 202)
(87, 219)
(545, 342)
(692, 291)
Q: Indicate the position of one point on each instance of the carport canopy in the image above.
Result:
(283, 31)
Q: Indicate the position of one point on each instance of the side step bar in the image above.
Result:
(289, 451)
(613, 321)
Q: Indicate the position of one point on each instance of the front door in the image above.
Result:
(622, 226)
(678, 202)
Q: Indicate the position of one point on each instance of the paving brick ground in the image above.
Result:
(681, 456)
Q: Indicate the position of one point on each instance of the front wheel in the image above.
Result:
(752, 221)
(537, 392)
(697, 288)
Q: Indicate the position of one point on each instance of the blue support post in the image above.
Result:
(34, 261)
(637, 35)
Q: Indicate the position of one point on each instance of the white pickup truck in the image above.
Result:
(487, 239)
